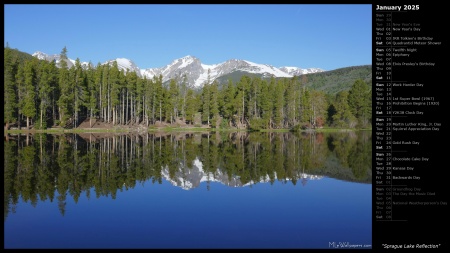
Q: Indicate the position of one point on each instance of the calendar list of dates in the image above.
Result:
(409, 106)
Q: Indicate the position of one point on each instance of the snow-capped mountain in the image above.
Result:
(189, 178)
(57, 59)
(125, 65)
(196, 72)
(294, 71)
(188, 65)
(238, 65)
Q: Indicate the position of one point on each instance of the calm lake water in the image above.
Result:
(188, 190)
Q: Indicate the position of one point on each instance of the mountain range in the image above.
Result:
(190, 178)
(196, 72)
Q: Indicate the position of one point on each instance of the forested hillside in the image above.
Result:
(330, 82)
(40, 95)
(334, 81)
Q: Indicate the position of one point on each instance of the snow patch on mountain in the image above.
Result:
(295, 71)
(264, 68)
(214, 72)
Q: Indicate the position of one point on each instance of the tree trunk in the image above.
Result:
(100, 102)
(126, 111)
(243, 106)
(143, 109)
(123, 109)
(60, 114)
(53, 108)
(108, 116)
(131, 109)
(41, 117)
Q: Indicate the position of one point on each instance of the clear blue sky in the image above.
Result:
(305, 36)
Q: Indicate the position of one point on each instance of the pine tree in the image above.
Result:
(158, 96)
(29, 108)
(278, 104)
(10, 65)
(343, 116)
(46, 83)
(191, 106)
(92, 87)
(20, 89)
(65, 101)
(140, 98)
(214, 103)
(290, 98)
(266, 104)
(79, 90)
(240, 100)
(319, 106)
(115, 86)
(104, 93)
(359, 101)
(131, 80)
(306, 107)
(183, 96)
(206, 97)
(53, 74)
(172, 101)
(98, 79)
(227, 108)
(149, 99)
(254, 103)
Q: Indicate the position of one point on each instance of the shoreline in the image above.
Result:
(165, 129)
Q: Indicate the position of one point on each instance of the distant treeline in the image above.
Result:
(40, 94)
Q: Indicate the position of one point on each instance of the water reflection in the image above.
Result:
(44, 167)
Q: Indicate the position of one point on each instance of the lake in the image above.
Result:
(188, 190)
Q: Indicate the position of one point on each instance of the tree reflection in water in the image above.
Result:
(43, 166)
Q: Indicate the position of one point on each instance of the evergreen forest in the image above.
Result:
(38, 94)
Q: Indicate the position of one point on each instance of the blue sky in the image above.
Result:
(307, 36)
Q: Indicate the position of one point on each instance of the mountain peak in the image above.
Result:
(40, 55)
(126, 64)
(188, 57)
